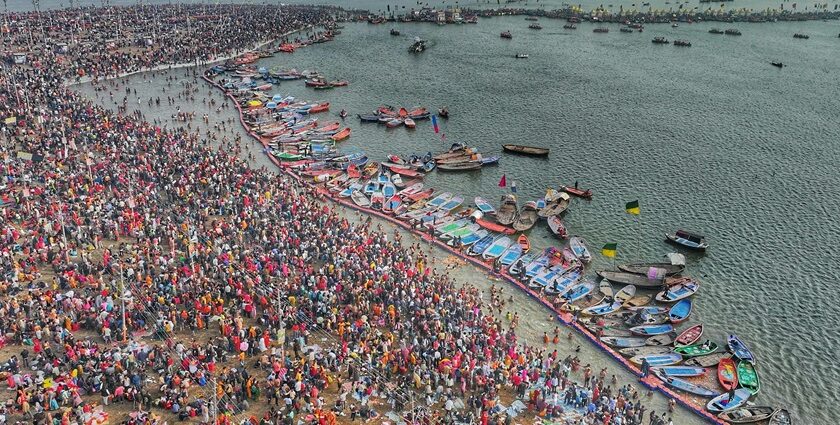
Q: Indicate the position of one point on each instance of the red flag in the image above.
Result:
(503, 181)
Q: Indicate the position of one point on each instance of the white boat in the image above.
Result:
(578, 246)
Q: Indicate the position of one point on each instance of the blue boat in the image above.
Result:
(429, 165)
(522, 263)
(484, 206)
(569, 278)
(369, 117)
(512, 254)
(622, 342)
(438, 201)
(602, 309)
(722, 403)
(482, 244)
(388, 189)
(682, 371)
(658, 359)
(680, 311)
(546, 277)
(383, 178)
(349, 190)
(579, 291)
(498, 248)
(371, 187)
(740, 349)
(683, 385)
(536, 266)
(649, 330)
(489, 160)
(473, 237)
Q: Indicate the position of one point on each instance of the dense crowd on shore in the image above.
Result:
(146, 270)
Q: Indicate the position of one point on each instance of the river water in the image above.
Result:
(710, 138)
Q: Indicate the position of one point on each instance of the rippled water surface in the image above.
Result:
(711, 138)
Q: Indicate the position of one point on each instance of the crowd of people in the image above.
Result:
(148, 269)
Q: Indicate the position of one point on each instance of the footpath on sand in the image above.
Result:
(566, 318)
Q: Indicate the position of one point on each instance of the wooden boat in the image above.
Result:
(454, 151)
(727, 373)
(682, 371)
(780, 417)
(747, 414)
(644, 268)
(360, 199)
(680, 311)
(484, 206)
(580, 193)
(527, 217)
(737, 347)
(683, 385)
(556, 207)
(632, 279)
(653, 360)
(748, 377)
(687, 239)
(421, 195)
(411, 189)
(663, 339)
(557, 227)
(506, 214)
(723, 403)
(461, 166)
(526, 150)
(697, 350)
(341, 135)
(648, 330)
(689, 336)
(706, 361)
(495, 227)
(578, 246)
(638, 301)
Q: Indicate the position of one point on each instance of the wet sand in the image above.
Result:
(535, 319)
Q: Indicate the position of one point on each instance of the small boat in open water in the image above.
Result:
(688, 239)
(526, 150)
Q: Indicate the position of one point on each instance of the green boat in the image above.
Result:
(285, 156)
(747, 377)
(696, 350)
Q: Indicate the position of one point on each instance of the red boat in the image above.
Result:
(690, 335)
(387, 111)
(728, 374)
(586, 194)
(321, 107)
(286, 48)
(405, 172)
(421, 195)
(315, 83)
(353, 171)
(495, 227)
(341, 83)
(329, 127)
(403, 113)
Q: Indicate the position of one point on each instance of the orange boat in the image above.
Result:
(418, 111)
(403, 112)
(524, 243)
(407, 172)
(421, 195)
(341, 135)
(329, 127)
(727, 374)
(495, 227)
(321, 107)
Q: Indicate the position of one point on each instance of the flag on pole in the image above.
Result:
(503, 181)
(435, 124)
(633, 207)
(609, 250)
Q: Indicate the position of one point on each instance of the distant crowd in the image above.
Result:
(145, 269)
